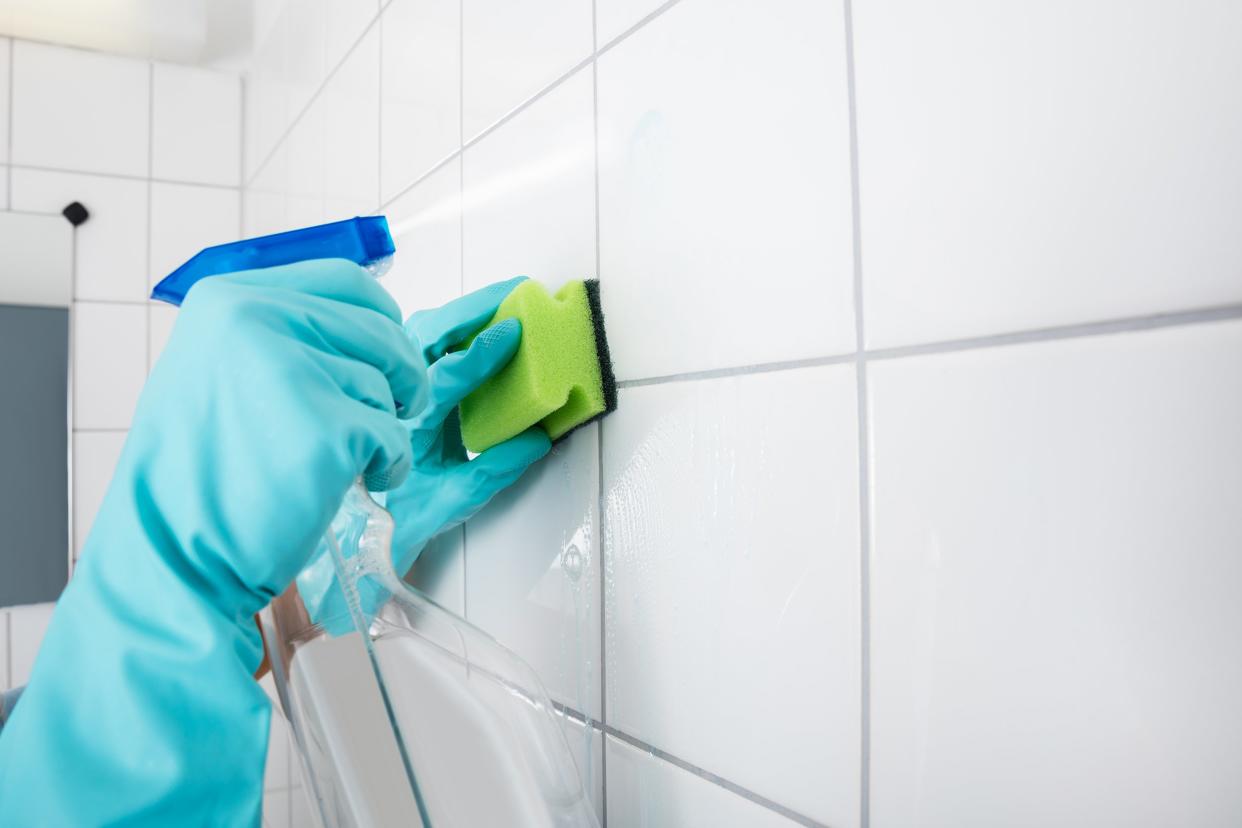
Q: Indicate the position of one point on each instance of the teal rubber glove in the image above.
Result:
(277, 388)
(444, 487)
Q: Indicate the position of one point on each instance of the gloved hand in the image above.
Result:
(444, 487)
(277, 388)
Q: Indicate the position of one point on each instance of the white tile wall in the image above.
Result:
(528, 196)
(1055, 571)
(426, 227)
(185, 218)
(532, 571)
(111, 246)
(109, 363)
(95, 455)
(421, 108)
(646, 791)
(1017, 168)
(79, 110)
(6, 50)
(732, 575)
(351, 132)
(195, 124)
(1039, 164)
(718, 183)
(510, 51)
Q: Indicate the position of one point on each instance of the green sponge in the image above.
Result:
(561, 377)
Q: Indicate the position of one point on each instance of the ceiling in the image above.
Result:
(199, 32)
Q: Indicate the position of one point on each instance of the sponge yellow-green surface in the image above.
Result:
(560, 378)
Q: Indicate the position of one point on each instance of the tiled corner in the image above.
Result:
(724, 194)
(351, 132)
(95, 455)
(1054, 582)
(513, 50)
(185, 218)
(6, 50)
(614, 17)
(1032, 165)
(732, 580)
(529, 195)
(161, 320)
(647, 792)
(440, 571)
(533, 567)
(344, 23)
(111, 247)
(109, 363)
(79, 110)
(27, 626)
(426, 229)
(195, 125)
(421, 104)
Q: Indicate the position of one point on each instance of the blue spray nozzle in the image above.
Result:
(364, 240)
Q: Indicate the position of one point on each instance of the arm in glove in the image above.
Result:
(277, 388)
(444, 487)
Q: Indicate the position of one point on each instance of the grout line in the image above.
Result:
(123, 176)
(864, 440)
(601, 511)
(1051, 334)
(8, 152)
(689, 767)
(461, 216)
(1126, 324)
(741, 370)
(142, 302)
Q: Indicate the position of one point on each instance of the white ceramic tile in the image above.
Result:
(421, 121)
(426, 228)
(587, 746)
(725, 217)
(276, 809)
(95, 455)
(26, 628)
(303, 55)
(265, 106)
(344, 23)
(1028, 165)
(196, 125)
(264, 213)
(304, 165)
(529, 197)
(532, 570)
(613, 17)
(186, 218)
(1054, 573)
(513, 50)
(647, 792)
(79, 110)
(732, 580)
(351, 133)
(4, 188)
(160, 323)
(6, 47)
(109, 363)
(112, 244)
(440, 571)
